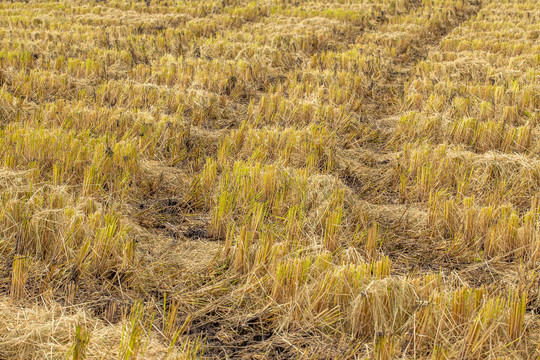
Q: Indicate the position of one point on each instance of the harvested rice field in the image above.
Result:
(274, 179)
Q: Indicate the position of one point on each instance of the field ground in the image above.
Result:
(322, 179)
